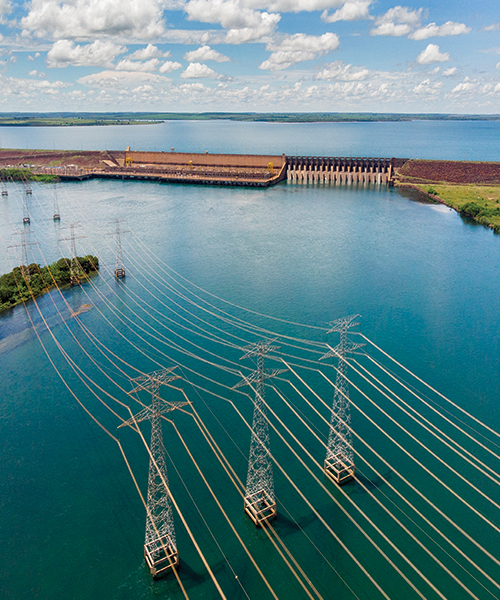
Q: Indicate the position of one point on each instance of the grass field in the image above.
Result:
(478, 202)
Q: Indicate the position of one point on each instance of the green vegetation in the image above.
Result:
(17, 174)
(75, 119)
(477, 202)
(16, 287)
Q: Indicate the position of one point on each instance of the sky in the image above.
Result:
(441, 56)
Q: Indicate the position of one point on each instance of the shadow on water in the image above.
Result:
(286, 526)
(370, 484)
(415, 195)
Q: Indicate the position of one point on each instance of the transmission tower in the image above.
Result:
(5, 191)
(56, 215)
(119, 266)
(26, 214)
(160, 547)
(260, 502)
(74, 270)
(24, 251)
(339, 461)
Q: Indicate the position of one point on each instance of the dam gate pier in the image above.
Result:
(342, 170)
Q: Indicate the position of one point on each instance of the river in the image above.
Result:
(426, 284)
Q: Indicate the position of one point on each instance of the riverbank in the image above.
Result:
(31, 281)
(471, 188)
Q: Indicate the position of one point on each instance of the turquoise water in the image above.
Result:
(427, 285)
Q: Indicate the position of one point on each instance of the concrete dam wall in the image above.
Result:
(345, 170)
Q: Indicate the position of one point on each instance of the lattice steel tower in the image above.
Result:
(56, 215)
(339, 461)
(74, 267)
(160, 547)
(119, 266)
(260, 502)
(24, 267)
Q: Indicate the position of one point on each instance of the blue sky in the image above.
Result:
(250, 55)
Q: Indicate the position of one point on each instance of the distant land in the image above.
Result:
(66, 119)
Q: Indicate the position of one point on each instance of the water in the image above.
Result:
(428, 287)
(461, 140)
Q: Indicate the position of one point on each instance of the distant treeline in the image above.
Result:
(127, 118)
(17, 287)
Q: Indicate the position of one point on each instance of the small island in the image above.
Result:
(29, 282)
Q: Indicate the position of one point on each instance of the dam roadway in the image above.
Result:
(250, 170)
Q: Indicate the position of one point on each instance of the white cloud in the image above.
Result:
(298, 48)
(432, 54)
(449, 72)
(295, 5)
(26, 90)
(342, 72)
(199, 71)
(497, 88)
(205, 53)
(5, 9)
(148, 52)
(494, 50)
(32, 58)
(244, 24)
(397, 21)
(493, 27)
(497, 66)
(169, 66)
(132, 65)
(143, 89)
(97, 54)
(464, 88)
(121, 79)
(433, 30)
(267, 25)
(33, 73)
(353, 10)
(428, 88)
(84, 19)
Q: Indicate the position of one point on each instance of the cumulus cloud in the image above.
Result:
(428, 88)
(199, 71)
(464, 88)
(121, 79)
(432, 54)
(497, 66)
(169, 66)
(296, 5)
(243, 23)
(97, 54)
(298, 48)
(353, 10)
(32, 58)
(492, 27)
(84, 19)
(397, 21)
(205, 53)
(339, 70)
(27, 89)
(449, 72)
(133, 65)
(5, 7)
(148, 52)
(433, 30)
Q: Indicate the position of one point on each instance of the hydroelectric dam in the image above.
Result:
(249, 170)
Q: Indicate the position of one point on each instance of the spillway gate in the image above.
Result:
(345, 170)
